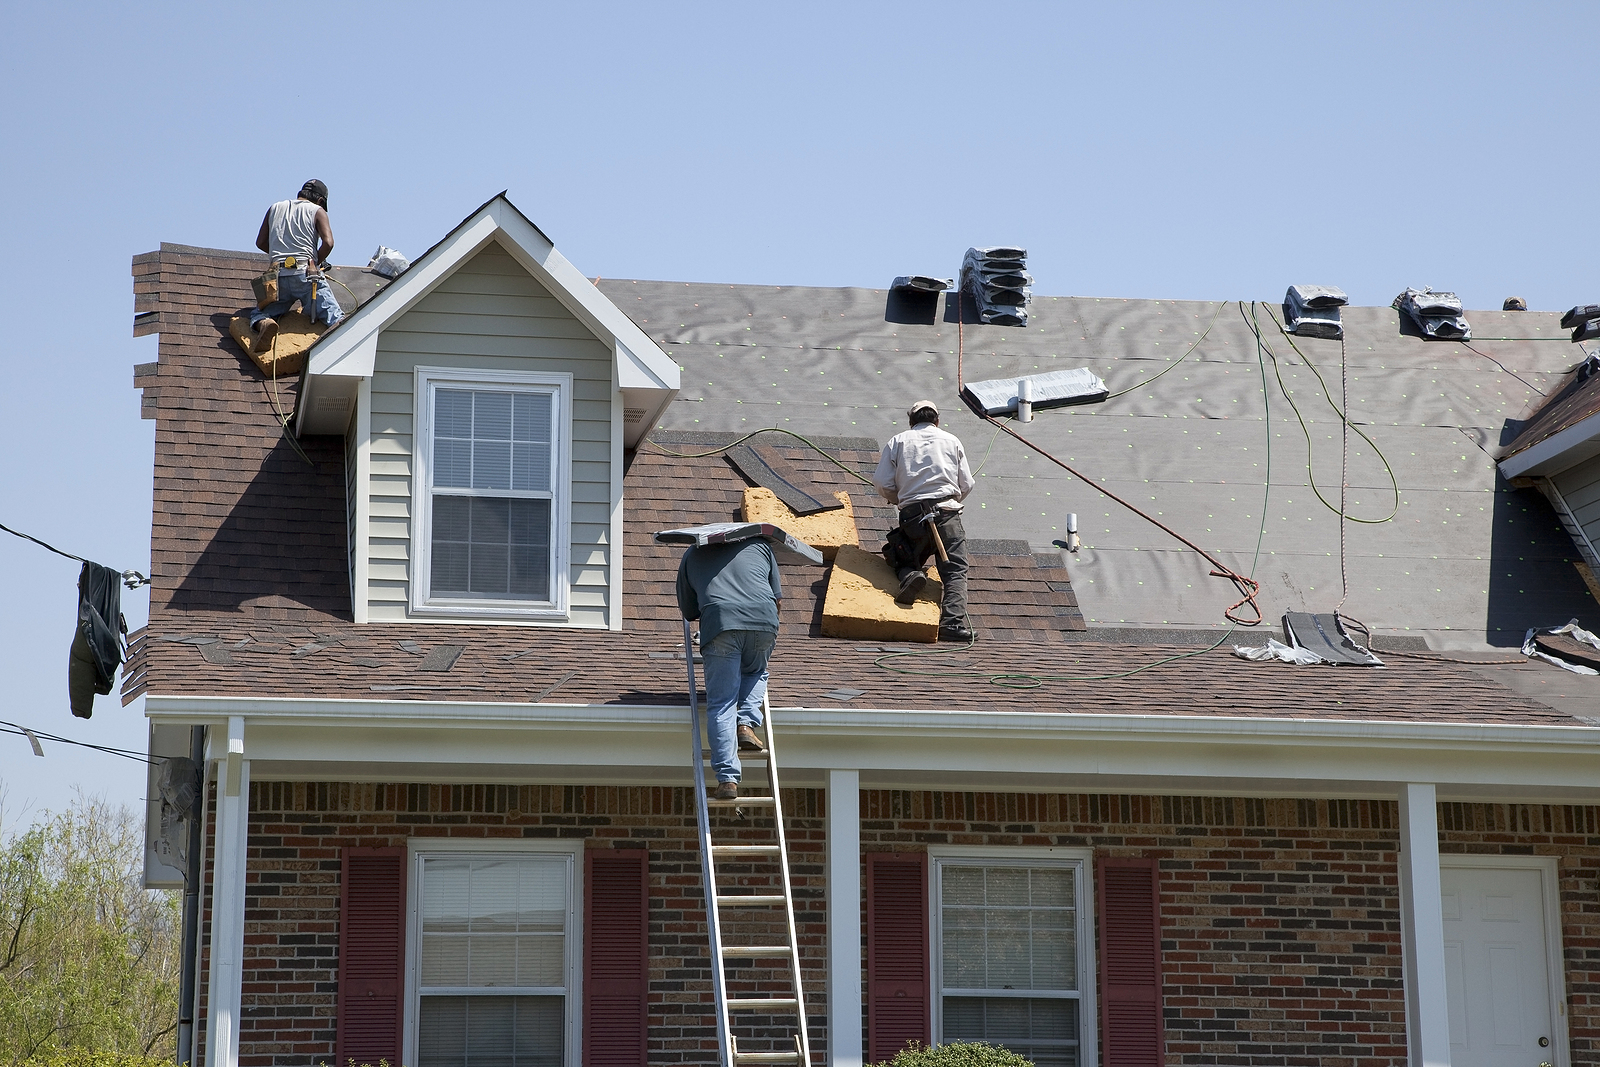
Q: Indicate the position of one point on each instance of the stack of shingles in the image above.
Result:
(998, 281)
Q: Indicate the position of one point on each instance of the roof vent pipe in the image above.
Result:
(1024, 399)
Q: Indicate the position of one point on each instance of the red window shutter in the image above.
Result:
(372, 917)
(615, 956)
(897, 952)
(1130, 962)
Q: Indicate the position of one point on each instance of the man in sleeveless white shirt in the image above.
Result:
(298, 237)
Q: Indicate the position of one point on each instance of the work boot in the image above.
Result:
(266, 333)
(727, 791)
(910, 586)
(749, 741)
(957, 631)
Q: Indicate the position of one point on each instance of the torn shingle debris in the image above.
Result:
(441, 658)
(765, 467)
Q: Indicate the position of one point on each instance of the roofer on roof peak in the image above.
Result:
(734, 590)
(924, 470)
(298, 237)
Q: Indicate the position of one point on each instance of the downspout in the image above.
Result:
(190, 954)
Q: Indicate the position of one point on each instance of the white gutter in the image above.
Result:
(865, 722)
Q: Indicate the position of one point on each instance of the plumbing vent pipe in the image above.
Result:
(1024, 399)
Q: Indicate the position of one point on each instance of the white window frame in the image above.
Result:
(423, 602)
(1081, 862)
(419, 848)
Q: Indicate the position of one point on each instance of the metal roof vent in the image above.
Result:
(1000, 284)
(1437, 315)
(1313, 310)
(921, 283)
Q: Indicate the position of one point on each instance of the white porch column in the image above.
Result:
(227, 900)
(1422, 928)
(844, 919)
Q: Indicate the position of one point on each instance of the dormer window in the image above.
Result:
(492, 491)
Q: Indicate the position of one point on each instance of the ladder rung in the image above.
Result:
(767, 1057)
(763, 901)
(744, 850)
(765, 1004)
(742, 802)
(755, 951)
(744, 756)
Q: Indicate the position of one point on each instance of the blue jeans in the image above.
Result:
(294, 285)
(736, 680)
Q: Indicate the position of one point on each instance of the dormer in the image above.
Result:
(486, 397)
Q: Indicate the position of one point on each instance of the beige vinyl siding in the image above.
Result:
(490, 315)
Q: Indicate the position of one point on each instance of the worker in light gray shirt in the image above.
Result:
(924, 471)
(734, 590)
(298, 237)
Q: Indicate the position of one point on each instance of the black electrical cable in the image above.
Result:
(1394, 482)
(131, 579)
(23, 731)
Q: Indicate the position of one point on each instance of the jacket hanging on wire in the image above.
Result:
(97, 642)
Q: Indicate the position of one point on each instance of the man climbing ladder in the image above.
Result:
(764, 996)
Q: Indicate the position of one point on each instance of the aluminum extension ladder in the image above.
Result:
(790, 998)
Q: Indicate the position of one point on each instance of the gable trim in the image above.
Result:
(349, 351)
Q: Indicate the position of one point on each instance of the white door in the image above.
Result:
(1497, 974)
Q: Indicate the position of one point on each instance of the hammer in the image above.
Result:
(938, 542)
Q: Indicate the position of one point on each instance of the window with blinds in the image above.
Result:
(489, 503)
(1008, 950)
(495, 961)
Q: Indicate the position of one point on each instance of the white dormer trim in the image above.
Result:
(646, 375)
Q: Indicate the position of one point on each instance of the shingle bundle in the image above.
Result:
(998, 281)
(1313, 310)
(1583, 321)
(1437, 315)
(920, 283)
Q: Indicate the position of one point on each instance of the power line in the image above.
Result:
(131, 579)
(34, 737)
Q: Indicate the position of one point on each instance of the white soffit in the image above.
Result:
(349, 353)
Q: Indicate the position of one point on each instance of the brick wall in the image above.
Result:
(292, 895)
(1280, 918)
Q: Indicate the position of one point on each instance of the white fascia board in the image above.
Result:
(1550, 457)
(1155, 753)
(578, 294)
(352, 348)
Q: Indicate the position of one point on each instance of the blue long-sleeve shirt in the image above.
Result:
(730, 587)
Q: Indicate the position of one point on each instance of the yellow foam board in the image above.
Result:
(296, 334)
(824, 530)
(860, 603)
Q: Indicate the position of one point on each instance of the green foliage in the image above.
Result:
(88, 957)
(80, 1057)
(956, 1054)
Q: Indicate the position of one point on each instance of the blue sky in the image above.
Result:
(1154, 150)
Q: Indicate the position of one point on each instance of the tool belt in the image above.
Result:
(921, 510)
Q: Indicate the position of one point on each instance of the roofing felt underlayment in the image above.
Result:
(1465, 560)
